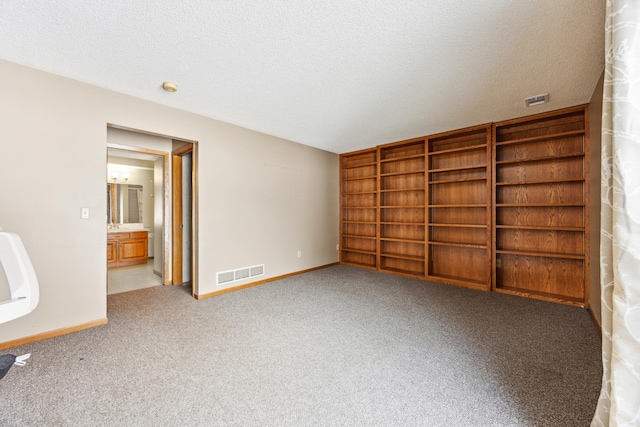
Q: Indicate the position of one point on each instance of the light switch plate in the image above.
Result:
(85, 213)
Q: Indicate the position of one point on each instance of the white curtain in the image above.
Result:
(619, 403)
(140, 205)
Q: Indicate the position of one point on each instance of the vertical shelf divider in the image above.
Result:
(379, 198)
(427, 212)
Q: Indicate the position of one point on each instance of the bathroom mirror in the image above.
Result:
(124, 203)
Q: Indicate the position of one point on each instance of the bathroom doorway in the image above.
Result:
(137, 151)
(135, 218)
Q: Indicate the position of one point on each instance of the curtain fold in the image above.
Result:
(619, 402)
(140, 210)
(133, 209)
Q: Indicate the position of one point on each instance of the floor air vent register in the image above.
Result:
(224, 277)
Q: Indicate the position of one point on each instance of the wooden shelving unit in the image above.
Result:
(500, 207)
(402, 209)
(459, 207)
(359, 208)
(540, 230)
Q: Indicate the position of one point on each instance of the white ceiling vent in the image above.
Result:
(240, 274)
(536, 100)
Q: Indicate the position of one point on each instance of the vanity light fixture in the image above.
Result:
(118, 174)
(170, 86)
(116, 180)
(120, 177)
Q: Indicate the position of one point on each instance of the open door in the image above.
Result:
(182, 159)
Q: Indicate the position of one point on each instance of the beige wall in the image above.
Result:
(261, 198)
(595, 138)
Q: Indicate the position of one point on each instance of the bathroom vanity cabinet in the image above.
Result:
(126, 248)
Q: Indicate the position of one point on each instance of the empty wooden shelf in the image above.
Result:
(358, 208)
(459, 209)
(541, 194)
(401, 243)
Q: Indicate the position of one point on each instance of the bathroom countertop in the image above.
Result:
(125, 230)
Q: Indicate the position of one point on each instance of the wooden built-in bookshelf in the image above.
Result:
(401, 242)
(500, 207)
(541, 199)
(459, 209)
(359, 208)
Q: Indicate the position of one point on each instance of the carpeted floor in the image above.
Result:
(335, 347)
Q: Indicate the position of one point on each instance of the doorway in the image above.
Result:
(182, 213)
(155, 153)
(135, 187)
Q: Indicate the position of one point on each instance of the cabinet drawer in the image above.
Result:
(139, 235)
(117, 236)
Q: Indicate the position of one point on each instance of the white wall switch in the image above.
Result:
(337, 247)
(85, 213)
(299, 254)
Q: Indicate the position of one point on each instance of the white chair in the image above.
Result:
(23, 287)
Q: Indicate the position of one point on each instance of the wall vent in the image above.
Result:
(536, 100)
(240, 274)
(225, 277)
(258, 270)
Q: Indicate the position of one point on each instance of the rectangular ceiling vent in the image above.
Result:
(240, 274)
(536, 100)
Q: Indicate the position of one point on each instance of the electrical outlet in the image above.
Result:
(85, 213)
(299, 254)
(337, 247)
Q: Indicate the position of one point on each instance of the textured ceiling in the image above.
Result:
(337, 74)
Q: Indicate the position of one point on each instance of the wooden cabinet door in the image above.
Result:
(112, 251)
(133, 250)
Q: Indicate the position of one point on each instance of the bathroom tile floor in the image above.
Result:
(126, 279)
